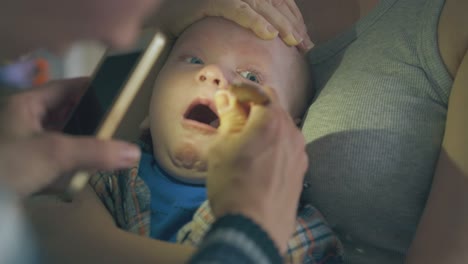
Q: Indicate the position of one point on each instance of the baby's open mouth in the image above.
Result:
(202, 112)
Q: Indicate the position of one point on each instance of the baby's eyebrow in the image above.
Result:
(253, 51)
(187, 48)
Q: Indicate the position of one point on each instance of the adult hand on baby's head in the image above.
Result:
(32, 156)
(256, 166)
(265, 18)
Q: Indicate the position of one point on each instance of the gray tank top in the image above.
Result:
(375, 128)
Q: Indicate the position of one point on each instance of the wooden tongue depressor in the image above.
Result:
(249, 93)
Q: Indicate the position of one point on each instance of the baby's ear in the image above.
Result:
(145, 125)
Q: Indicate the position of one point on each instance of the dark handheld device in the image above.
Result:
(114, 88)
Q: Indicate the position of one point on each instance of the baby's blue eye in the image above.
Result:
(251, 76)
(194, 60)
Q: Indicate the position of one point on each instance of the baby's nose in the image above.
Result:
(212, 74)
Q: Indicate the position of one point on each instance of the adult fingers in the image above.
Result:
(301, 27)
(291, 4)
(18, 115)
(86, 153)
(286, 17)
(237, 11)
(263, 117)
(281, 18)
(59, 98)
(245, 14)
(262, 123)
(52, 155)
(290, 9)
(55, 92)
(267, 19)
(259, 117)
(43, 107)
(231, 114)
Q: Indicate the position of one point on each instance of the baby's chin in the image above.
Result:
(187, 164)
(189, 157)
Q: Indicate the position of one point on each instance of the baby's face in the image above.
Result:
(209, 56)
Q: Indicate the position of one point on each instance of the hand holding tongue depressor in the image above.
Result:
(234, 105)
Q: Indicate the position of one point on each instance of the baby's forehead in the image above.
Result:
(218, 32)
(212, 26)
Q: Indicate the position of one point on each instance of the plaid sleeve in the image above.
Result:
(313, 241)
(106, 188)
(126, 197)
(193, 232)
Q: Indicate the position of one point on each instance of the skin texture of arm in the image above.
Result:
(442, 235)
(84, 232)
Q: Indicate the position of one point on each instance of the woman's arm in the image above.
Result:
(442, 235)
(84, 232)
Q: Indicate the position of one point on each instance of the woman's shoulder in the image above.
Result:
(453, 34)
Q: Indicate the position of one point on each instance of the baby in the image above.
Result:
(164, 197)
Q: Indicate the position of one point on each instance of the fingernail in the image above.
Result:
(130, 155)
(304, 47)
(272, 30)
(308, 44)
(293, 39)
(222, 101)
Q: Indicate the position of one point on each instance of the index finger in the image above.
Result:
(59, 98)
(243, 14)
(281, 17)
(262, 117)
(249, 93)
(55, 93)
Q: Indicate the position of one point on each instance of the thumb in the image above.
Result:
(58, 98)
(232, 115)
(89, 153)
(53, 155)
(58, 92)
(84, 155)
